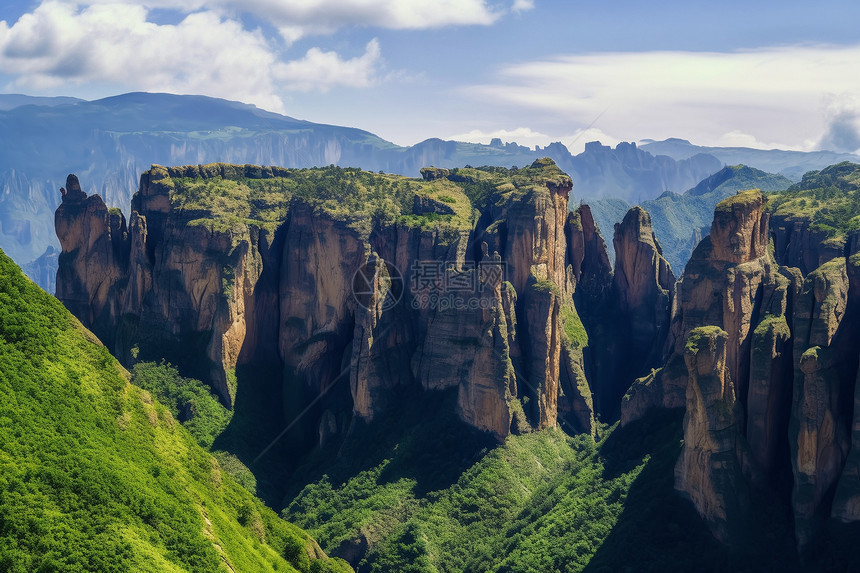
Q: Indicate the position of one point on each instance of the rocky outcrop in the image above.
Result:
(642, 296)
(825, 347)
(708, 471)
(739, 233)
(94, 260)
(732, 282)
(846, 503)
(484, 307)
(728, 362)
(775, 390)
(798, 243)
(769, 398)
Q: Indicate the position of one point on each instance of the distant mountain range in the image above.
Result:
(108, 143)
(792, 164)
(681, 220)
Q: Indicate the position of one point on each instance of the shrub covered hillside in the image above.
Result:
(830, 198)
(95, 475)
(418, 491)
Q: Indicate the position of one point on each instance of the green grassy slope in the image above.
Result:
(417, 491)
(97, 476)
(414, 491)
(829, 198)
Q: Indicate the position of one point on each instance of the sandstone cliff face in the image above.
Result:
(642, 297)
(779, 375)
(846, 504)
(825, 346)
(798, 244)
(728, 362)
(731, 281)
(93, 240)
(708, 470)
(212, 289)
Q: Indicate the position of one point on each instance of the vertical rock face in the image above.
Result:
(94, 241)
(708, 470)
(732, 282)
(739, 233)
(642, 296)
(799, 244)
(326, 296)
(729, 356)
(775, 392)
(846, 504)
(825, 348)
(769, 397)
(592, 282)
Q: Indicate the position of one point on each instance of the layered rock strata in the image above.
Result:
(222, 266)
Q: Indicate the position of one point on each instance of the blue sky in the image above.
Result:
(770, 74)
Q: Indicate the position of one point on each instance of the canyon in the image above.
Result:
(353, 287)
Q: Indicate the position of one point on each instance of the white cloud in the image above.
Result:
(207, 53)
(320, 70)
(842, 115)
(575, 143)
(522, 6)
(299, 18)
(773, 94)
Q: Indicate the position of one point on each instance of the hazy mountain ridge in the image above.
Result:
(109, 142)
(791, 164)
(681, 220)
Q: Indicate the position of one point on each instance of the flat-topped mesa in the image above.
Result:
(739, 233)
(230, 268)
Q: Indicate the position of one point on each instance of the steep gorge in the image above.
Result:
(351, 288)
(222, 266)
(764, 360)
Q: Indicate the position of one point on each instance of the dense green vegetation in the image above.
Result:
(95, 475)
(830, 198)
(190, 401)
(428, 495)
(223, 197)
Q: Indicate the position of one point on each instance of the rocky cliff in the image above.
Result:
(765, 361)
(340, 279)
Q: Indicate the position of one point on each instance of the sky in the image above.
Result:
(759, 74)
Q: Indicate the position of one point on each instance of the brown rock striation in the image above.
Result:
(642, 296)
(787, 372)
(799, 244)
(94, 239)
(708, 471)
(826, 344)
(211, 292)
(846, 503)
